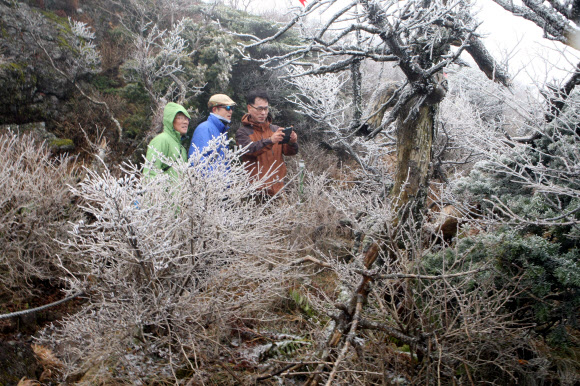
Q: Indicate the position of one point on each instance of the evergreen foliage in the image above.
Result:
(545, 279)
(538, 182)
(535, 187)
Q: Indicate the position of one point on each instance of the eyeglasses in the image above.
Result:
(261, 109)
(228, 108)
(182, 118)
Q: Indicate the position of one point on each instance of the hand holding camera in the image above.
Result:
(283, 135)
(287, 133)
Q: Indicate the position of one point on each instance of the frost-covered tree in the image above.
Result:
(158, 55)
(423, 38)
(158, 64)
(557, 18)
(474, 110)
(419, 37)
(322, 98)
(244, 5)
(177, 58)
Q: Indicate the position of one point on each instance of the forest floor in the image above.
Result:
(20, 359)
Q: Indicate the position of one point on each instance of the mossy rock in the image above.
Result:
(61, 145)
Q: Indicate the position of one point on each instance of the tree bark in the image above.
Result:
(414, 140)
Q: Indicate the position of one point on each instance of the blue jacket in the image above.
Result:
(206, 131)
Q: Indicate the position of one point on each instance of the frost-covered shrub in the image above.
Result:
(533, 183)
(545, 281)
(88, 59)
(35, 208)
(428, 324)
(159, 56)
(166, 265)
(311, 176)
(533, 186)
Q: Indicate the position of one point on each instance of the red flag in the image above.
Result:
(303, 2)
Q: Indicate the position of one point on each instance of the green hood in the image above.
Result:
(169, 113)
(167, 143)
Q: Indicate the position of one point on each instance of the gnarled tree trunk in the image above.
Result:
(414, 140)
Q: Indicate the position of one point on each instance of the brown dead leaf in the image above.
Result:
(46, 357)
(28, 382)
(46, 375)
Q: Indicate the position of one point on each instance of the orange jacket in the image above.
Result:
(262, 153)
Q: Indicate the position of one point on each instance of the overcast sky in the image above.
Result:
(533, 57)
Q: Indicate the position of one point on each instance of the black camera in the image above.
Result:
(287, 133)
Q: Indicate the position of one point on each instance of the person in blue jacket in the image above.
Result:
(221, 108)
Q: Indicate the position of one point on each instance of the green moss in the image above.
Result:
(405, 348)
(59, 20)
(62, 143)
(63, 43)
(17, 68)
(63, 26)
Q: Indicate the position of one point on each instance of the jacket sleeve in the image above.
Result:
(290, 148)
(256, 147)
(156, 148)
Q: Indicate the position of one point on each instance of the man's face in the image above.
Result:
(224, 111)
(180, 123)
(258, 110)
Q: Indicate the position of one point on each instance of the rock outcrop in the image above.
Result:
(30, 89)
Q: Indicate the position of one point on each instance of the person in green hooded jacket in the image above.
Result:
(175, 124)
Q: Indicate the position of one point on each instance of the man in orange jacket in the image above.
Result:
(265, 148)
